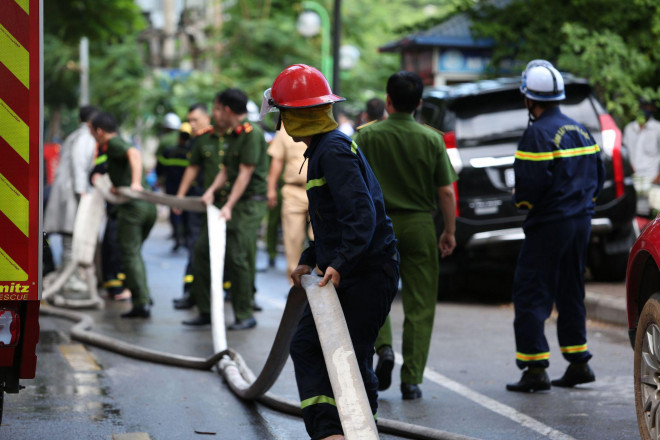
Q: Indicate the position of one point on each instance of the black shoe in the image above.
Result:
(575, 374)
(184, 303)
(243, 324)
(201, 319)
(256, 306)
(384, 367)
(410, 391)
(531, 380)
(138, 312)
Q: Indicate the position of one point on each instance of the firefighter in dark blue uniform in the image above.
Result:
(354, 245)
(559, 174)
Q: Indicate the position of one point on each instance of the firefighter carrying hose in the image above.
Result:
(354, 245)
(559, 174)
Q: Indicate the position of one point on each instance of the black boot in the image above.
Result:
(384, 367)
(201, 319)
(184, 303)
(533, 379)
(575, 374)
(142, 311)
(243, 324)
(410, 391)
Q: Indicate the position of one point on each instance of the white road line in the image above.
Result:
(491, 404)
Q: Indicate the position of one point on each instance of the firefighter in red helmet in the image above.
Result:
(354, 245)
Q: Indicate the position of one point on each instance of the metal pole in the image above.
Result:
(84, 71)
(336, 42)
(326, 60)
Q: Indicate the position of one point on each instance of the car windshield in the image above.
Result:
(499, 117)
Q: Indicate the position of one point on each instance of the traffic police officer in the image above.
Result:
(354, 244)
(206, 158)
(134, 218)
(244, 170)
(559, 174)
(412, 166)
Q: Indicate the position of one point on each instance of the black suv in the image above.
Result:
(482, 123)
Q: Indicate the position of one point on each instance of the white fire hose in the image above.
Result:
(350, 395)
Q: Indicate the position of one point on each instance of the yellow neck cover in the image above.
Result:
(308, 121)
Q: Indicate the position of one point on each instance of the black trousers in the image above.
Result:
(365, 299)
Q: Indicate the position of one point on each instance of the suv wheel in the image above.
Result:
(647, 370)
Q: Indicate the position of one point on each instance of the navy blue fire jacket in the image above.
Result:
(346, 207)
(558, 168)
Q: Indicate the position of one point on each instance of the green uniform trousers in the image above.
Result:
(418, 246)
(134, 222)
(241, 253)
(200, 291)
(240, 259)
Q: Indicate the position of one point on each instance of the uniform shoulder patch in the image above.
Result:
(366, 125)
(245, 127)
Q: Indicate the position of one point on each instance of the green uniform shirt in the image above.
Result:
(119, 169)
(206, 154)
(409, 160)
(246, 145)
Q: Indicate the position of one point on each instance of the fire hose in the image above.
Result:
(350, 395)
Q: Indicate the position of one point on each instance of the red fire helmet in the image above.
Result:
(300, 86)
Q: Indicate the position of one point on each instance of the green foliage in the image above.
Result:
(116, 73)
(98, 20)
(612, 43)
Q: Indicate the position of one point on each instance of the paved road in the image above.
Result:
(89, 393)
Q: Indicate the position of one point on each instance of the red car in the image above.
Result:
(643, 306)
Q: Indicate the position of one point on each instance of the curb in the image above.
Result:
(606, 308)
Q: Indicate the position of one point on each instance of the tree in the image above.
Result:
(111, 27)
(612, 43)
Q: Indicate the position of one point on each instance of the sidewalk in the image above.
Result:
(606, 302)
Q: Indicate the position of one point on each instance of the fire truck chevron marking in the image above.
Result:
(14, 131)
(9, 270)
(14, 56)
(14, 205)
(24, 4)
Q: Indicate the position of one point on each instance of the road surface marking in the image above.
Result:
(491, 404)
(79, 358)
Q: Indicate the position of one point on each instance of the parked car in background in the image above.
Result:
(482, 123)
(643, 307)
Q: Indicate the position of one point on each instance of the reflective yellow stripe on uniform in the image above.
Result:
(173, 162)
(557, 154)
(188, 279)
(316, 400)
(574, 348)
(315, 182)
(532, 357)
(101, 159)
(354, 148)
(113, 283)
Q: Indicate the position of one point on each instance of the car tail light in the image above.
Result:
(612, 147)
(10, 324)
(455, 158)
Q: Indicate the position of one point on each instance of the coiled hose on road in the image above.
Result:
(347, 385)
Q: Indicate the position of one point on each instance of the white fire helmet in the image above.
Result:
(542, 82)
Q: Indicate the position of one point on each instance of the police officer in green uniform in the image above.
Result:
(135, 218)
(244, 171)
(412, 166)
(205, 158)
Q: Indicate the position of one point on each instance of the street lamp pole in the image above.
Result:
(326, 60)
(336, 42)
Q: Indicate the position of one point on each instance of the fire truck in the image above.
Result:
(21, 188)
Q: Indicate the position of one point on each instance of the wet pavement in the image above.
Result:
(82, 392)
